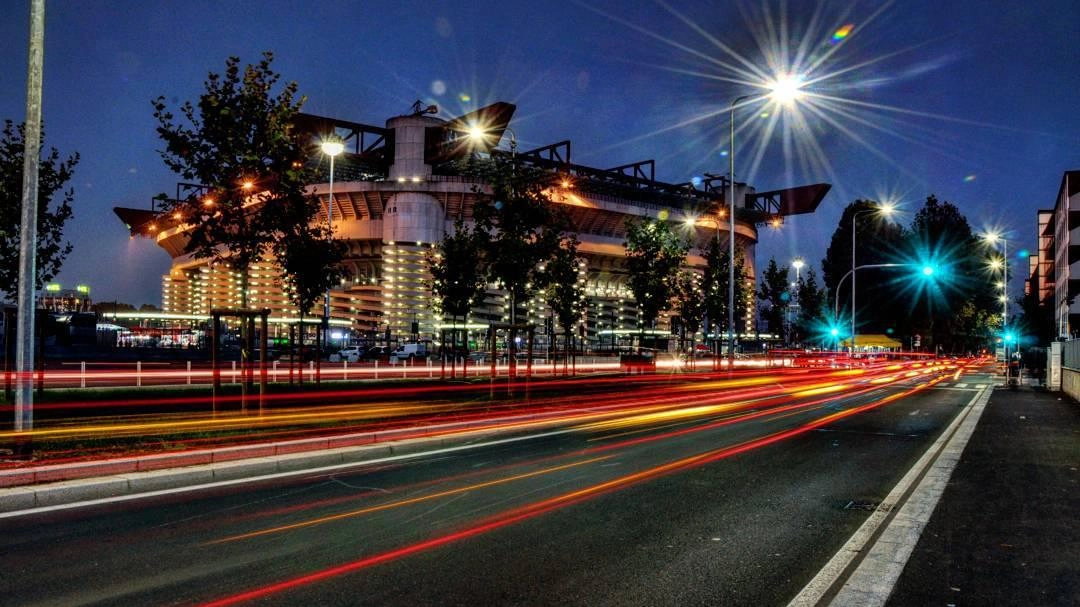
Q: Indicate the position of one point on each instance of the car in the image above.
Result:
(376, 353)
(349, 355)
(410, 352)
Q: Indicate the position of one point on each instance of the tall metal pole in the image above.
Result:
(24, 356)
(854, 216)
(1005, 306)
(731, 234)
(330, 225)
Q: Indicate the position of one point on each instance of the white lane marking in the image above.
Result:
(878, 571)
(273, 476)
(963, 385)
(915, 412)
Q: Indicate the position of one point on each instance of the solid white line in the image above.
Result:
(266, 477)
(884, 577)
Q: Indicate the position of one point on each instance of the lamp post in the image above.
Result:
(992, 238)
(784, 90)
(793, 306)
(332, 146)
(883, 210)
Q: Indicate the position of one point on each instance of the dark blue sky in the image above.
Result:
(974, 101)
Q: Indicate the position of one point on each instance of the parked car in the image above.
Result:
(349, 355)
(410, 352)
(376, 353)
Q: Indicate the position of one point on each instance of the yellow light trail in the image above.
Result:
(407, 502)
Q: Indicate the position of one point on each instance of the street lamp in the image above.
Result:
(885, 209)
(479, 133)
(992, 238)
(785, 90)
(836, 298)
(332, 146)
(793, 302)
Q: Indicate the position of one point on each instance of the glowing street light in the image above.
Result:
(882, 209)
(331, 146)
(992, 238)
(793, 302)
(480, 134)
(785, 90)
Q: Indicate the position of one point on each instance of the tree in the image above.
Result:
(308, 259)
(879, 241)
(776, 293)
(458, 273)
(522, 230)
(654, 256)
(812, 315)
(54, 209)
(689, 305)
(565, 295)
(1037, 317)
(941, 235)
(237, 144)
(715, 286)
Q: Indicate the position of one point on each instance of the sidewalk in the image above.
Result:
(1007, 528)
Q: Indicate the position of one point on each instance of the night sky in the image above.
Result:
(974, 101)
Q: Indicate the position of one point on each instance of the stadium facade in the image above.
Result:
(397, 190)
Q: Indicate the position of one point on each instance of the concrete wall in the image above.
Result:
(1070, 383)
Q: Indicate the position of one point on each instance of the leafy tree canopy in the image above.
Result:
(775, 292)
(522, 230)
(236, 142)
(654, 256)
(54, 209)
(458, 271)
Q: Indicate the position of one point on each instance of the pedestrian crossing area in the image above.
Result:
(969, 383)
(970, 386)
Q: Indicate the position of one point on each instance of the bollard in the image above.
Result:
(376, 369)
(82, 374)
(138, 373)
(275, 371)
(189, 372)
(345, 370)
(234, 371)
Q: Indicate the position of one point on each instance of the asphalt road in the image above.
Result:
(707, 503)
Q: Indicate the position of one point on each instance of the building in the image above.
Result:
(57, 299)
(1057, 269)
(396, 192)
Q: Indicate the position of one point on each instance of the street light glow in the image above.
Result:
(786, 89)
(332, 147)
(798, 263)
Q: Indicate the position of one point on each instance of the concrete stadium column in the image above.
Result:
(413, 220)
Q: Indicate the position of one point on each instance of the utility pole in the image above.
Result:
(24, 354)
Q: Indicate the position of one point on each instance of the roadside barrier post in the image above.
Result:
(82, 374)
(189, 372)
(138, 373)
